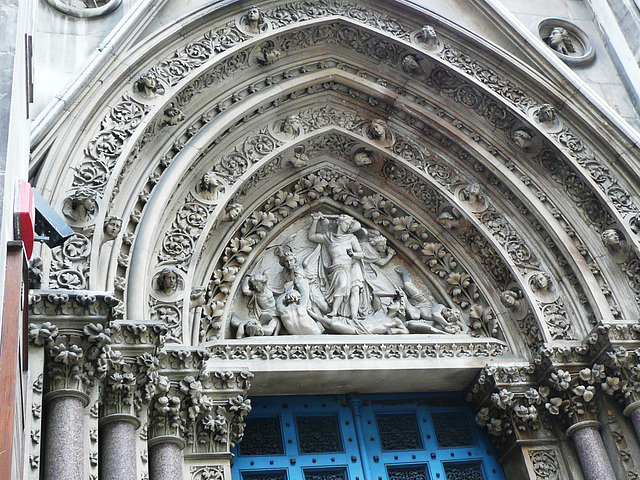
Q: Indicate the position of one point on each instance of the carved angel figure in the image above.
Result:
(522, 138)
(340, 265)
(292, 126)
(546, 113)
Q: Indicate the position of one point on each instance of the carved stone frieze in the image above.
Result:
(545, 464)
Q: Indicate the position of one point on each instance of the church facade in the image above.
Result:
(337, 240)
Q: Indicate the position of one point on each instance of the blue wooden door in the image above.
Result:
(364, 437)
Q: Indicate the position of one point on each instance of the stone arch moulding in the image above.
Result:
(149, 98)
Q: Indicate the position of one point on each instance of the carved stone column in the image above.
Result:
(591, 452)
(70, 325)
(128, 386)
(64, 452)
(632, 410)
(199, 411)
(71, 375)
(575, 404)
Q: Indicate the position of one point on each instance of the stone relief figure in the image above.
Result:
(299, 160)
(424, 314)
(379, 132)
(546, 113)
(634, 223)
(293, 309)
(148, 85)
(80, 206)
(411, 66)
(262, 303)
(340, 264)
(111, 228)
(291, 127)
(171, 116)
(560, 40)
(210, 186)
(541, 282)
(254, 20)
(268, 54)
(388, 321)
(362, 158)
(376, 255)
(333, 276)
(428, 36)
(232, 212)
(522, 138)
(611, 240)
(472, 194)
(167, 281)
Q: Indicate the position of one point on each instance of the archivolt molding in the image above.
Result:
(150, 108)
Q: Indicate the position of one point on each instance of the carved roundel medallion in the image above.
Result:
(85, 8)
(567, 41)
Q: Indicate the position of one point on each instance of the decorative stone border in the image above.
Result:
(584, 54)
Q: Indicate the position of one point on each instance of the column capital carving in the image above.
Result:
(70, 306)
(509, 402)
(206, 410)
(573, 393)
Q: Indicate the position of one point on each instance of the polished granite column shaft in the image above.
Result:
(591, 452)
(633, 412)
(165, 458)
(118, 447)
(64, 445)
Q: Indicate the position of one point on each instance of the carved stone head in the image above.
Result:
(472, 193)
(81, 205)
(510, 299)
(522, 138)
(112, 227)
(148, 85)
(378, 129)
(167, 281)
(541, 282)
(258, 283)
(347, 224)
(292, 126)
(362, 158)
(210, 185)
(560, 41)
(546, 113)
(233, 211)
(268, 55)
(411, 65)
(611, 240)
(286, 258)
(428, 35)
(254, 20)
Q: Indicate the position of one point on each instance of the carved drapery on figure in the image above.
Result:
(327, 273)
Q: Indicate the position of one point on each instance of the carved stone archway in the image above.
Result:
(204, 147)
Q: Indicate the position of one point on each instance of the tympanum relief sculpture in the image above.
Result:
(327, 274)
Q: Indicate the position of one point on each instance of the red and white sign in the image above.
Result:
(25, 216)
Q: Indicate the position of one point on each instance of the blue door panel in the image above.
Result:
(403, 437)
